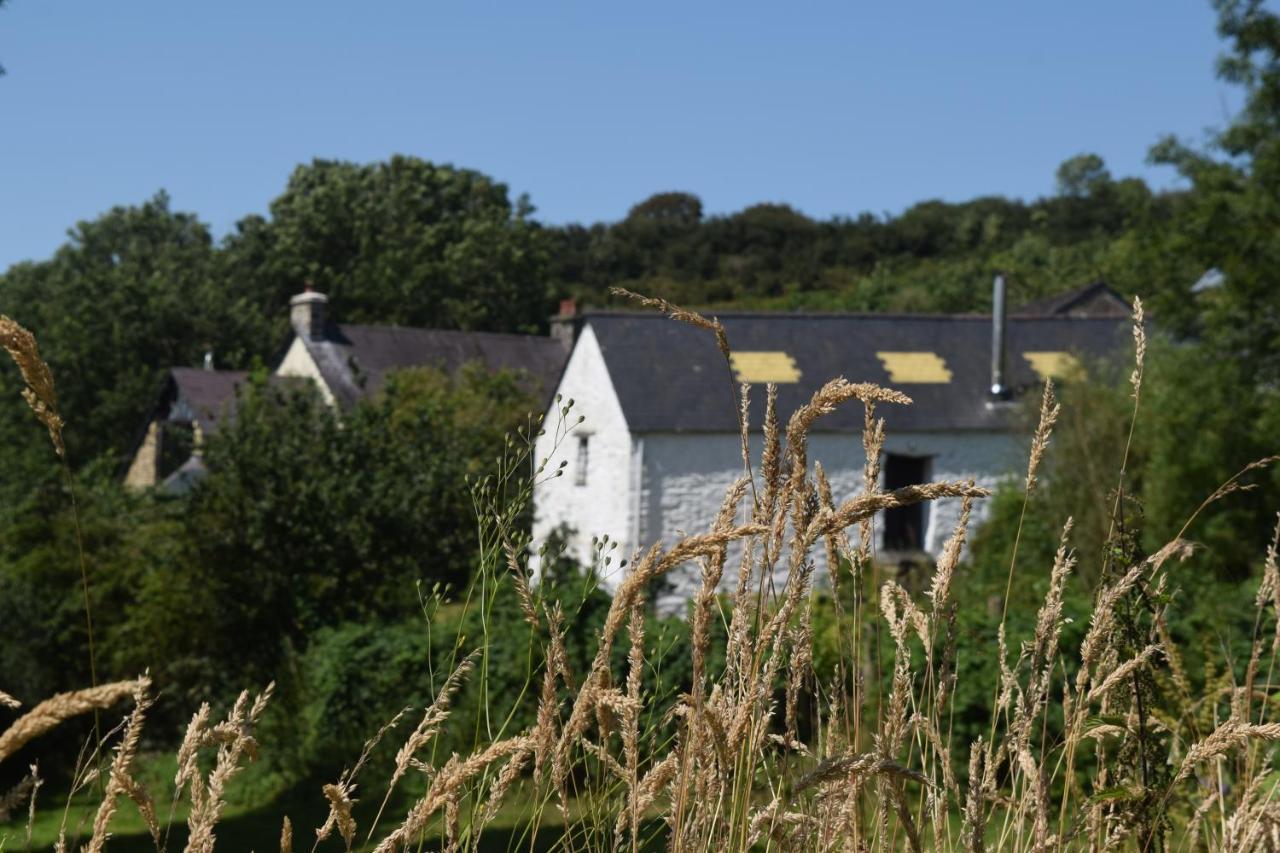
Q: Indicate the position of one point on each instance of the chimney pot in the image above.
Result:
(307, 313)
(565, 324)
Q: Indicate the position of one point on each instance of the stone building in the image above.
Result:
(659, 445)
(347, 362)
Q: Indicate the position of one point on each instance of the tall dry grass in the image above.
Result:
(768, 751)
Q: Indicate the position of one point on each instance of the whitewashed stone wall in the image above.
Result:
(298, 362)
(658, 487)
(685, 477)
(606, 504)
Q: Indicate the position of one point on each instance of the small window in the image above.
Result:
(904, 526)
(580, 471)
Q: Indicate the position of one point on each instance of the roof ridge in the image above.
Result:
(461, 332)
(208, 371)
(833, 315)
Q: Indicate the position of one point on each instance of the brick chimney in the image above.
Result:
(565, 324)
(307, 313)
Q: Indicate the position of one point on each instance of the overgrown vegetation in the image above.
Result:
(767, 738)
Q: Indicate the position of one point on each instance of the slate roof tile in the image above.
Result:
(671, 378)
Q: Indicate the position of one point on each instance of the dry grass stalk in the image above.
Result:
(770, 456)
(501, 785)
(1232, 734)
(235, 743)
(39, 393)
(631, 717)
(1049, 411)
(973, 829)
(943, 611)
(53, 711)
(555, 669)
(1121, 673)
(872, 446)
(648, 789)
(704, 599)
(825, 401)
(675, 312)
(340, 818)
(445, 785)
(521, 581)
(432, 721)
(841, 769)
(866, 506)
(19, 794)
(339, 794)
(120, 781)
(1139, 346)
(286, 836)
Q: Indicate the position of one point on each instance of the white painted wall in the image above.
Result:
(686, 476)
(607, 503)
(298, 362)
(659, 487)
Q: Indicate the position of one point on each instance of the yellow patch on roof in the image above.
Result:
(1054, 365)
(764, 366)
(915, 367)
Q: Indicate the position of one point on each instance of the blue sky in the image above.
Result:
(835, 108)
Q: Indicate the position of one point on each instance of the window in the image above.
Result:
(904, 526)
(580, 472)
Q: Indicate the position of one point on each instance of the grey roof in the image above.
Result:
(1091, 300)
(185, 477)
(1212, 279)
(201, 396)
(355, 360)
(671, 378)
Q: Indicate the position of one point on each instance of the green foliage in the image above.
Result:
(352, 679)
(329, 519)
(935, 256)
(130, 294)
(405, 242)
(305, 521)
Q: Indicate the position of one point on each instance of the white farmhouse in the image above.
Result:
(659, 445)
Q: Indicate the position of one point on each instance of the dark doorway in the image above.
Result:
(904, 526)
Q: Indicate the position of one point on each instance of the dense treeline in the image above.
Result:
(935, 256)
(303, 528)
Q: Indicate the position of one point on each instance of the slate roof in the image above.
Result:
(355, 359)
(671, 378)
(1092, 300)
(203, 396)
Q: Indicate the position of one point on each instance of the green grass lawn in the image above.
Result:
(252, 818)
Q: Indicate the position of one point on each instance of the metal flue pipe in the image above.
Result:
(999, 390)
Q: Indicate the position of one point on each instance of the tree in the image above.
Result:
(330, 519)
(1082, 176)
(130, 294)
(674, 208)
(1231, 217)
(405, 241)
